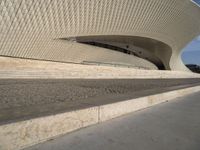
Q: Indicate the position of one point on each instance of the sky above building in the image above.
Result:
(197, 2)
(191, 53)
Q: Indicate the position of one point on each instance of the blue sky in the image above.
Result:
(197, 2)
(191, 53)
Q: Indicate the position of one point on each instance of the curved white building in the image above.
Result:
(141, 33)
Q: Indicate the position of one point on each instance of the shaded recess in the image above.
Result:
(149, 49)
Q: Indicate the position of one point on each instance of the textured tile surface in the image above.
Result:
(31, 29)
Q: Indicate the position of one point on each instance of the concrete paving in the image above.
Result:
(174, 125)
(25, 99)
(16, 93)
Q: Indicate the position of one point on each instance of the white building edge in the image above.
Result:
(142, 33)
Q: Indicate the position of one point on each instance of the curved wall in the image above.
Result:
(152, 50)
(32, 28)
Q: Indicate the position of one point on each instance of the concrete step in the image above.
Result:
(91, 73)
(26, 68)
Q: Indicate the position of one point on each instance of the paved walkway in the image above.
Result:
(22, 92)
(25, 99)
(170, 126)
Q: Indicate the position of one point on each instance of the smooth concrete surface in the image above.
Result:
(170, 126)
(23, 133)
(15, 68)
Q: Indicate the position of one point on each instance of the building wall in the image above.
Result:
(141, 47)
(32, 28)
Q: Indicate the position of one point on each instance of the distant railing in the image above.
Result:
(113, 64)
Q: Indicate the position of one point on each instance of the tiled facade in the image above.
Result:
(33, 28)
